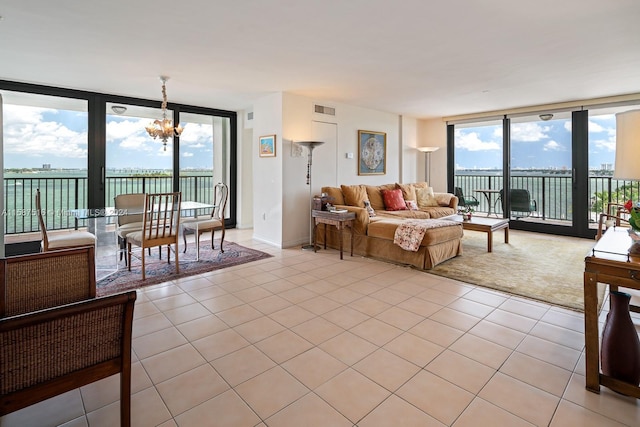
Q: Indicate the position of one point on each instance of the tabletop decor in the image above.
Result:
(634, 221)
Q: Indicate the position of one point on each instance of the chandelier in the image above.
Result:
(164, 128)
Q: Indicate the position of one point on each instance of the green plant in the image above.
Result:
(634, 214)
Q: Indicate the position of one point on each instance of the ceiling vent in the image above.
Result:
(325, 110)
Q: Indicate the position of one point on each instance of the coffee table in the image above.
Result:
(486, 225)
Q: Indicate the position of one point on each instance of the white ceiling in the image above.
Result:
(420, 58)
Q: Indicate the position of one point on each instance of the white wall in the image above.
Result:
(412, 159)
(433, 133)
(245, 150)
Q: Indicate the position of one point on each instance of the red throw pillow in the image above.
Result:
(393, 200)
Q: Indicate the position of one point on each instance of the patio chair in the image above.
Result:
(161, 219)
(62, 240)
(49, 352)
(37, 281)
(522, 205)
(215, 221)
(465, 201)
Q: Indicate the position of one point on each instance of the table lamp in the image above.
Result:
(627, 166)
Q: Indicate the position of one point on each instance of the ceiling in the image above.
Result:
(419, 58)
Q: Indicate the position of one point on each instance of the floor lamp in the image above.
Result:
(427, 162)
(310, 145)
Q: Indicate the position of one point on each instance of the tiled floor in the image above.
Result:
(304, 339)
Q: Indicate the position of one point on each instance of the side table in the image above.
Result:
(338, 219)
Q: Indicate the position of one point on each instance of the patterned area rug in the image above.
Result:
(159, 271)
(533, 265)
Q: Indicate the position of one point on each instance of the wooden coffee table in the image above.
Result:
(486, 225)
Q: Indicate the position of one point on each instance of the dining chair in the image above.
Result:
(213, 222)
(129, 208)
(62, 240)
(160, 226)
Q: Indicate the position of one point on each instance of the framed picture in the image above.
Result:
(267, 146)
(372, 153)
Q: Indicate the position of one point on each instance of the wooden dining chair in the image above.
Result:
(129, 208)
(160, 226)
(213, 222)
(62, 240)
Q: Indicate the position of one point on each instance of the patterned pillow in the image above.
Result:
(426, 197)
(370, 210)
(393, 200)
(412, 205)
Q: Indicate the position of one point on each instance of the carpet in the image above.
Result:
(159, 271)
(533, 265)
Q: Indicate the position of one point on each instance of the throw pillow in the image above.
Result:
(369, 209)
(426, 198)
(408, 191)
(412, 205)
(354, 195)
(393, 200)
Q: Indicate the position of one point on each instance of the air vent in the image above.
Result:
(325, 110)
(250, 116)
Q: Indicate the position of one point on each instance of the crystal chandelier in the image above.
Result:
(164, 128)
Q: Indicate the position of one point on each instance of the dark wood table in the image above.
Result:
(340, 220)
(608, 262)
(486, 225)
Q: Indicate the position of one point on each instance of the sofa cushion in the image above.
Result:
(426, 198)
(374, 193)
(422, 184)
(354, 195)
(334, 194)
(393, 200)
(408, 191)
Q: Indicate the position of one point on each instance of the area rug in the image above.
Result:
(533, 265)
(158, 271)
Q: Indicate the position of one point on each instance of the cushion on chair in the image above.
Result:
(204, 224)
(76, 238)
(126, 229)
(136, 237)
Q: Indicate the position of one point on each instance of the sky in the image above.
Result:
(537, 145)
(36, 136)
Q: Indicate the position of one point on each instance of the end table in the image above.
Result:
(338, 219)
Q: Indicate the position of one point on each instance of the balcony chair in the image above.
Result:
(49, 352)
(37, 281)
(468, 201)
(521, 202)
(129, 208)
(161, 219)
(212, 223)
(62, 240)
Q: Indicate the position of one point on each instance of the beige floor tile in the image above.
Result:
(270, 304)
(160, 291)
(292, 316)
(173, 362)
(352, 394)
(573, 321)
(202, 327)
(386, 369)
(186, 313)
(486, 297)
(271, 391)
(511, 320)
(571, 414)
(498, 334)
(521, 399)
(220, 344)
(558, 335)
(420, 307)
(261, 278)
(144, 309)
(400, 318)
(147, 410)
(455, 319)
(376, 332)
(414, 349)
(283, 346)
(241, 365)
(191, 388)
(436, 332)
(314, 367)
(481, 413)
(550, 352)
(450, 286)
(238, 315)
(343, 295)
(481, 350)
(51, 412)
(397, 412)
(369, 306)
(78, 422)
(149, 324)
(348, 348)
(345, 317)
(252, 294)
(157, 342)
(472, 308)
(193, 283)
(229, 409)
(390, 296)
(529, 309)
(309, 411)
(207, 293)
(437, 397)
(278, 286)
(461, 371)
(238, 284)
(364, 287)
(259, 329)
(436, 296)
(537, 373)
(221, 303)
(319, 305)
(409, 288)
(317, 330)
(174, 301)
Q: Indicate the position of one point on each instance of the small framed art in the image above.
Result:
(372, 153)
(267, 146)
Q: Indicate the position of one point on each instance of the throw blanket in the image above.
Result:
(409, 234)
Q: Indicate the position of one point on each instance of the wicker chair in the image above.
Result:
(49, 352)
(37, 281)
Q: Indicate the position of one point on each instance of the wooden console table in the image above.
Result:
(608, 262)
(339, 220)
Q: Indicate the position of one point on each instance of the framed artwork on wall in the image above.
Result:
(267, 146)
(372, 153)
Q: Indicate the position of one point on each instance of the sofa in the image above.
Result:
(381, 209)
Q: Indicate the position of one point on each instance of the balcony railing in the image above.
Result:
(552, 192)
(61, 195)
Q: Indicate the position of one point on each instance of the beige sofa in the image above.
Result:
(374, 232)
